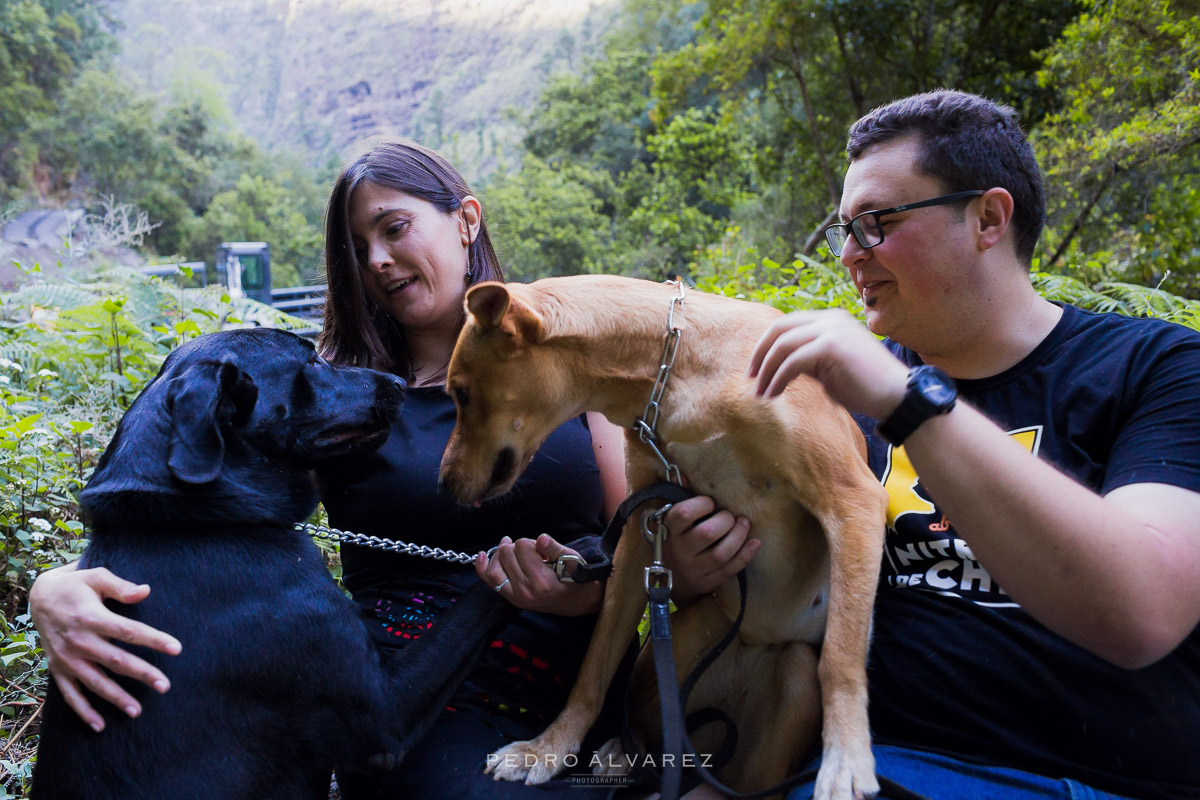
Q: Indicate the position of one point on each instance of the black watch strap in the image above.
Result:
(930, 392)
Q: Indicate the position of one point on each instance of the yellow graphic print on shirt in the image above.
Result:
(922, 549)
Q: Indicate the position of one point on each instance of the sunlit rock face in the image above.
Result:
(319, 75)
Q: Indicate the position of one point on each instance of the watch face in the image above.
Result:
(935, 386)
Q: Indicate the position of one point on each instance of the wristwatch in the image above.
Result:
(930, 392)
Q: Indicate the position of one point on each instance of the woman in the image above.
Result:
(404, 239)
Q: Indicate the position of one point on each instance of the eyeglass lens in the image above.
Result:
(835, 236)
(867, 232)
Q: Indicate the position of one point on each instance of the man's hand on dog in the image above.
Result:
(528, 567)
(705, 547)
(76, 630)
(836, 349)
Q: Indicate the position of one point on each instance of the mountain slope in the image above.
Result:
(318, 75)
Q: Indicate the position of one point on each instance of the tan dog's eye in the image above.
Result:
(461, 396)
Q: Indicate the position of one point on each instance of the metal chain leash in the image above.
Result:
(561, 565)
(390, 545)
(647, 425)
(657, 574)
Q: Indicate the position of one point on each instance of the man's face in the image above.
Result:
(913, 282)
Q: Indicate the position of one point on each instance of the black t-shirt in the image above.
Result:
(392, 493)
(955, 665)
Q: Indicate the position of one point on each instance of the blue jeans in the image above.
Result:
(940, 777)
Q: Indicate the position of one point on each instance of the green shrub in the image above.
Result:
(736, 269)
(73, 356)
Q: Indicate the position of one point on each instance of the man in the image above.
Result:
(1036, 624)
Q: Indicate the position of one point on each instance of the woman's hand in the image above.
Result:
(705, 547)
(524, 571)
(67, 607)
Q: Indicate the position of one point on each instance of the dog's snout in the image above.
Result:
(397, 385)
(389, 395)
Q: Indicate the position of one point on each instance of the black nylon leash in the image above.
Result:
(676, 741)
(670, 701)
(673, 697)
(599, 552)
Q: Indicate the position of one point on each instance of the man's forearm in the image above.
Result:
(1125, 586)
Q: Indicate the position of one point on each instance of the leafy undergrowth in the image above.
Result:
(73, 356)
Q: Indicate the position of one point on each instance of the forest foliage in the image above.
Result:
(708, 140)
(75, 131)
(73, 356)
(697, 118)
(727, 114)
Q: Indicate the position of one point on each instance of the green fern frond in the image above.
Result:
(1121, 298)
(1147, 301)
(49, 295)
(22, 353)
(267, 316)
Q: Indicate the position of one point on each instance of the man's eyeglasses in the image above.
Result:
(867, 228)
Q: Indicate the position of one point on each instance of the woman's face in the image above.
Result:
(413, 256)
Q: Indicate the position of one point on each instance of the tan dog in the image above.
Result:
(533, 356)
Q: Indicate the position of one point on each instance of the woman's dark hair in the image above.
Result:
(967, 142)
(356, 331)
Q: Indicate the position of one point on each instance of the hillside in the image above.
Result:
(318, 75)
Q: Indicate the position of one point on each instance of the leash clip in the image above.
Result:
(656, 536)
(560, 566)
(657, 573)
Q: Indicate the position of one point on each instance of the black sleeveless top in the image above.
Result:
(393, 493)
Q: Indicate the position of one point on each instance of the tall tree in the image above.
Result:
(261, 209)
(816, 65)
(546, 220)
(35, 64)
(1121, 157)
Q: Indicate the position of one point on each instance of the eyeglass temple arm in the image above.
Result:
(937, 201)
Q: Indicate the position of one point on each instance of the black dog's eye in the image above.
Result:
(461, 396)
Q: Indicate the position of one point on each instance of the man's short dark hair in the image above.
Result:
(967, 142)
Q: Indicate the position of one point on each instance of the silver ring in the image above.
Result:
(501, 584)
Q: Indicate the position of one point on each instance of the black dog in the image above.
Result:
(197, 494)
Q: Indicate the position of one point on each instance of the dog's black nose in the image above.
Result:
(444, 489)
(396, 385)
(389, 396)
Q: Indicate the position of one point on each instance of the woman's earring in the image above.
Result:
(470, 269)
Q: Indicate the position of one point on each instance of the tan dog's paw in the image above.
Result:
(846, 773)
(533, 762)
(610, 759)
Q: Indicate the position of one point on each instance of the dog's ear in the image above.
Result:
(495, 308)
(204, 401)
(488, 303)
